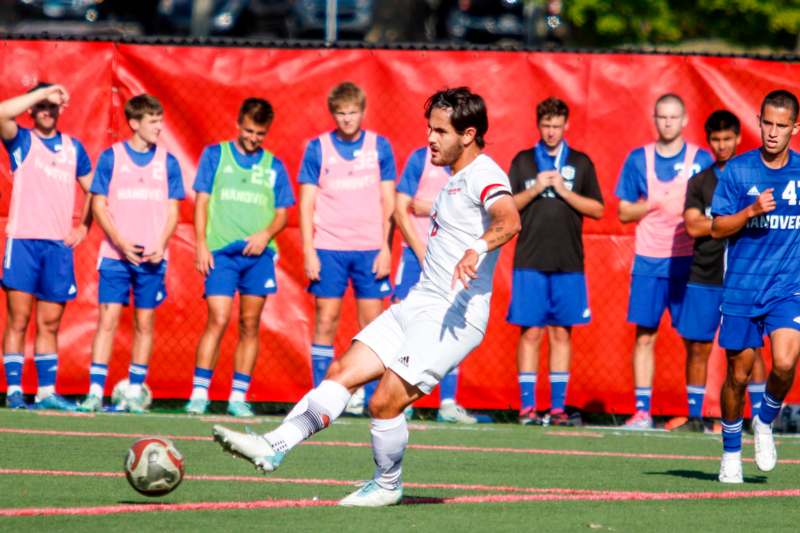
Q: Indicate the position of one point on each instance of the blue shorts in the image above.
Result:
(251, 275)
(700, 313)
(408, 273)
(742, 332)
(337, 268)
(118, 277)
(651, 296)
(541, 299)
(40, 267)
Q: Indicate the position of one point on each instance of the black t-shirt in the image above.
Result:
(708, 262)
(551, 236)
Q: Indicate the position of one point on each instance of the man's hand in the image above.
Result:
(76, 236)
(311, 264)
(256, 243)
(544, 180)
(382, 266)
(156, 256)
(57, 94)
(466, 269)
(557, 182)
(204, 260)
(763, 204)
(131, 252)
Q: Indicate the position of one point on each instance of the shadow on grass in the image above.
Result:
(703, 476)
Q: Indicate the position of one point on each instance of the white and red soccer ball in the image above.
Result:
(154, 467)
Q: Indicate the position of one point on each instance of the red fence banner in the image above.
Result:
(611, 99)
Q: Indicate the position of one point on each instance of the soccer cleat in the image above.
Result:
(16, 401)
(730, 469)
(372, 495)
(528, 417)
(355, 405)
(641, 420)
(197, 406)
(454, 413)
(55, 402)
(248, 446)
(135, 404)
(240, 409)
(766, 454)
(92, 403)
(559, 417)
(691, 425)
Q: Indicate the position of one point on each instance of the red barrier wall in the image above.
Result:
(611, 99)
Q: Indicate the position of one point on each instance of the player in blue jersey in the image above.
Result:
(756, 207)
(651, 190)
(38, 259)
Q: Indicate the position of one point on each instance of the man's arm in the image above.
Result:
(724, 226)
(79, 232)
(204, 261)
(257, 242)
(632, 211)
(582, 204)
(406, 226)
(382, 266)
(131, 252)
(13, 107)
(173, 210)
(697, 223)
(543, 180)
(505, 223)
(308, 198)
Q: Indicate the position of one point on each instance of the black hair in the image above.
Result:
(722, 120)
(467, 110)
(781, 98)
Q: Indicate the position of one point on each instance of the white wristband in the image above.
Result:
(480, 247)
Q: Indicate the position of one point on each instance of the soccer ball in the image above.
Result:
(118, 394)
(154, 467)
(789, 419)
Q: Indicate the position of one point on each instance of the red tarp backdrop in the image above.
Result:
(611, 99)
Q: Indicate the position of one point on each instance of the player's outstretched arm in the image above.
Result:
(13, 107)
(504, 225)
(724, 226)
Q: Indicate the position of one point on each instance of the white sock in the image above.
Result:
(96, 389)
(44, 392)
(236, 396)
(389, 439)
(299, 407)
(732, 455)
(199, 393)
(323, 405)
(12, 389)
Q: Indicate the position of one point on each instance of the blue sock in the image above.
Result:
(13, 362)
(756, 393)
(98, 373)
(241, 384)
(695, 396)
(46, 368)
(527, 388)
(137, 374)
(201, 382)
(369, 390)
(321, 357)
(732, 435)
(558, 390)
(770, 407)
(643, 395)
(447, 387)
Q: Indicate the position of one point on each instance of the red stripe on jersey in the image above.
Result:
(489, 188)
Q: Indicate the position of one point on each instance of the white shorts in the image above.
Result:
(421, 338)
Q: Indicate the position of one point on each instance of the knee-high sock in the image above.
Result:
(389, 440)
(316, 411)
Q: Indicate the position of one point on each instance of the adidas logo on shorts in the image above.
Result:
(270, 284)
(73, 289)
(385, 287)
(404, 360)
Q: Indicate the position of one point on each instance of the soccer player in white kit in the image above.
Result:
(416, 342)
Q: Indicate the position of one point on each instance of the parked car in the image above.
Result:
(228, 17)
(354, 18)
(486, 21)
(82, 10)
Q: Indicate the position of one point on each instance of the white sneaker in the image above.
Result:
(372, 495)
(452, 412)
(766, 454)
(355, 405)
(248, 446)
(730, 468)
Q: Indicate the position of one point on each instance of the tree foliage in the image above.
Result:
(748, 23)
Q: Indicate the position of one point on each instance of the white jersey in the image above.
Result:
(459, 217)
